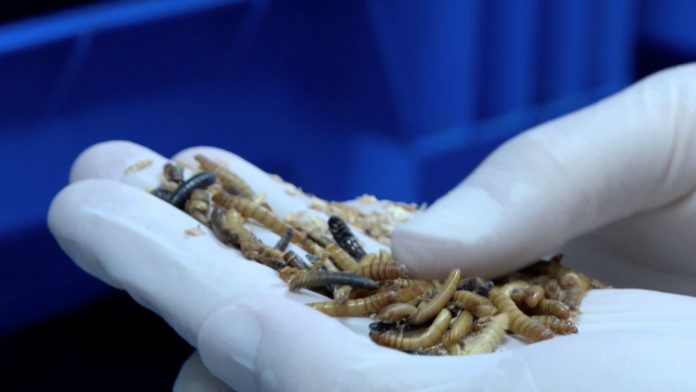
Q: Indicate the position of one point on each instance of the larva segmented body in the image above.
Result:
(533, 295)
(344, 237)
(341, 258)
(251, 210)
(430, 337)
(162, 193)
(576, 287)
(411, 292)
(489, 338)
(199, 205)
(382, 270)
(460, 327)
(284, 240)
(563, 327)
(427, 310)
(520, 323)
(173, 173)
(287, 273)
(552, 290)
(306, 279)
(201, 180)
(475, 304)
(294, 260)
(515, 284)
(396, 312)
(230, 182)
(356, 307)
(341, 294)
(272, 263)
(553, 307)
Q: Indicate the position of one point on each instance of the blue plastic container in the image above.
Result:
(396, 98)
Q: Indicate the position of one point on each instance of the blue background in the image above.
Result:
(398, 98)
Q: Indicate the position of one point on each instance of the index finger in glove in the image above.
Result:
(626, 154)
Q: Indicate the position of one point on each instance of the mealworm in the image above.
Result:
(520, 323)
(272, 263)
(515, 284)
(564, 327)
(320, 262)
(490, 336)
(598, 284)
(284, 240)
(460, 327)
(415, 290)
(220, 229)
(356, 307)
(344, 237)
(341, 294)
(230, 181)
(382, 270)
(201, 180)
(475, 304)
(401, 341)
(403, 282)
(306, 279)
(294, 260)
(396, 312)
(533, 295)
(552, 290)
(198, 205)
(287, 273)
(162, 194)
(252, 210)
(228, 227)
(341, 258)
(552, 307)
(576, 287)
(138, 166)
(173, 173)
(427, 310)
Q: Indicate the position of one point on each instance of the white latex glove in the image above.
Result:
(625, 162)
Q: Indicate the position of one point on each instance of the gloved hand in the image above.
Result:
(617, 177)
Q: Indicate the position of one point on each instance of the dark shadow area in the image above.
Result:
(39, 281)
(13, 10)
(652, 57)
(112, 345)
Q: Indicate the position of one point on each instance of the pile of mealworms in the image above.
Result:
(461, 315)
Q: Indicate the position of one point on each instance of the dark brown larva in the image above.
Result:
(284, 240)
(173, 174)
(201, 180)
(306, 279)
(344, 237)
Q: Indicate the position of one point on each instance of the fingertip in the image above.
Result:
(119, 160)
(195, 377)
